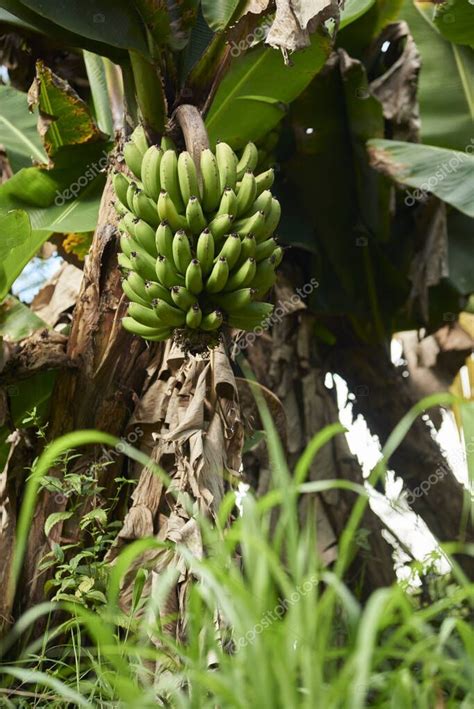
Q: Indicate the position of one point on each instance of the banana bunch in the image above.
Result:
(197, 244)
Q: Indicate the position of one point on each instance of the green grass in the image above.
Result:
(290, 632)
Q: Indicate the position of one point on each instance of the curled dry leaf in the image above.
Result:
(295, 20)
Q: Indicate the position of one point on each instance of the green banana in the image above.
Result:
(131, 295)
(182, 298)
(120, 208)
(195, 216)
(272, 220)
(168, 212)
(250, 316)
(243, 276)
(228, 203)
(166, 272)
(231, 250)
(124, 262)
(265, 180)
(129, 222)
(187, 177)
(211, 192)
(143, 264)
(137, 284)
(168, 314)
(265, 249)
(248, 161)
(150, 172)
(169, 179)
(145, 236)
(263, 203)
(133, 158)
(205, 251)
(231, 302)
(246, 194)
(182, 255)
(156, 290)
(248, 248)
(167, 143)
(139, 139)
(220, 226)
(227, 166)
(131, 191)
(194, 317)
(265, 276)
(218, 276)
(193, 278)
(127, 244)
(145, 209)
(144, 314)
(164, 240)
(278, 256)
(212, 321)
(120, 184)
(253, 225)
(155, 334)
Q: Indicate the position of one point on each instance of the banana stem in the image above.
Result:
(149, 93)
(194, 131)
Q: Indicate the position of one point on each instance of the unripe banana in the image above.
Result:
(156, 290)
(167, 143)
(182, 255)
(131, 192)
(253, 225)
(187, 177)
(120, 184)
(133, 158)
(143, 264)
(212, 321)
(168, 314)
(220, 226)
(243, 276)
(137, 284)
(246, 194)
(194, 317)
(120, 208)
(278, 256)
(227, 166)
(218, 276)
(168, 212)
(169, 179)
(124, 262)
(211, 191)
(139, 139)
(166, 272)
(149, 333)
(195, 216)
(127, 244)
(248, 161)
(145, 236)
(182, 298)
(193, 278)
(164, 240)
(263, 203)
(144, 315)
(250, 316)
(131, 295)
(234, 301)
(265, 276)
(145, 209)
(272, 220)
(150, 172)
(129, 223)
(228, 203)
(248, 248)
(265, 180)
(205, 251)
(231, 250)
(265, 249)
